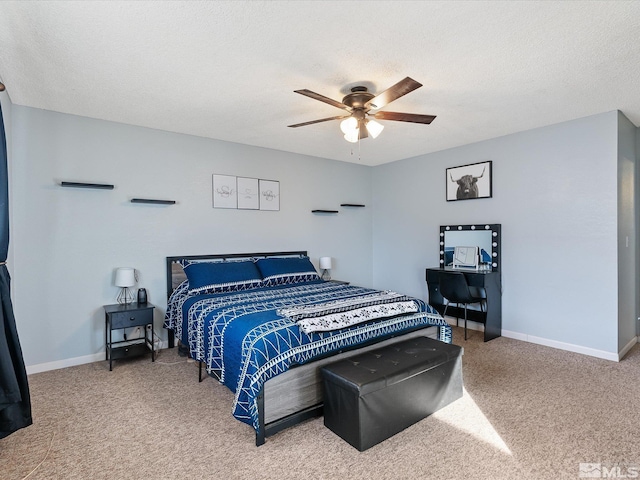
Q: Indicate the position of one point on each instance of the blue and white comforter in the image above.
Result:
(245, 338)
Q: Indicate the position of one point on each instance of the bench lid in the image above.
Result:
(383, 367)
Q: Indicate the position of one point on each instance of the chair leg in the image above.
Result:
(444, 314)
(457, 319)
(465, 321)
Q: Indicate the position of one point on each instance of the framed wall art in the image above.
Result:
(269, 195)
(468, 182)
(245, 193)
(248, 194)
(225, 191)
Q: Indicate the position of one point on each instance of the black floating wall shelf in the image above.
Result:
(100, 186)
(351, 205)
(157, 202)
(324, 211)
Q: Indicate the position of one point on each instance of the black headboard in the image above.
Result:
(176, 275)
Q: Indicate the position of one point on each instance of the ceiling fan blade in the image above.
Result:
(401, 88)
(322, 98)
(404, 117)
(318, 121)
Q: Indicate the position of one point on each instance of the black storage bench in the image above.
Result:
(372, 396)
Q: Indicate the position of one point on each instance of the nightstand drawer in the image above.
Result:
(132, 350)
(131, 318)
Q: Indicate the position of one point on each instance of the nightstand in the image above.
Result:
(123, 317)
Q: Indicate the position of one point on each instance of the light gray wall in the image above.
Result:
(555, 194)
(627, 261)
(67, 242)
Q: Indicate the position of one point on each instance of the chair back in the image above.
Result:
(454, 287)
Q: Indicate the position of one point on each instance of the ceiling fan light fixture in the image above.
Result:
(352, 136)
(349, 125)
(374, 128)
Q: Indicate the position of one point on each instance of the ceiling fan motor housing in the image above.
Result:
(357, 99)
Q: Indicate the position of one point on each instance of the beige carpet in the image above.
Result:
(528, 412)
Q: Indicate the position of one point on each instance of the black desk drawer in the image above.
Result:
(131, 318)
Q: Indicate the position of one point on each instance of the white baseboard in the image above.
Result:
(67, 362)
(627, 347)
(471, 325)
(72, 362)
(592, 352)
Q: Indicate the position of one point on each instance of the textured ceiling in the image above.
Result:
(228, 69)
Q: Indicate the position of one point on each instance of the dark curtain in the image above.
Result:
(15, 403)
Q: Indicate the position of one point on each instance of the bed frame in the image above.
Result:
(295, 395)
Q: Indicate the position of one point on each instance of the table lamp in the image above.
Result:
(125, 278)
(325, 265)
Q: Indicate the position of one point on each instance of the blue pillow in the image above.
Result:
(214, 277)
(283, 271)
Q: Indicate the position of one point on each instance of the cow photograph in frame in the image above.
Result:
(468, 182)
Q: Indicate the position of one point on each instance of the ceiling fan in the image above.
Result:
(360, 103)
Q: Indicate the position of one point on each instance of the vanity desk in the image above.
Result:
(490, 281)
(487, 239)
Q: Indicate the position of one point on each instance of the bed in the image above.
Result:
(264, 323)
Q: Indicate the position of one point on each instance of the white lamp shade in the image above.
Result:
(348, 125)
(374, 128)
(353, 136)
(325, 263)
(125, 277)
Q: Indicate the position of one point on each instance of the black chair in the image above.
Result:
(455, 289)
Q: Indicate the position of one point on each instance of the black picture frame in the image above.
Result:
(469, 182)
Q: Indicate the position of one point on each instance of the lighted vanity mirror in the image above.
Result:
(484, 236)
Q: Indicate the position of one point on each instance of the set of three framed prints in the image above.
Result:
(244, 193)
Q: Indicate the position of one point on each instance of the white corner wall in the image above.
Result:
(555, 194)
(67, 242)
(637, 232)
(627, 260)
